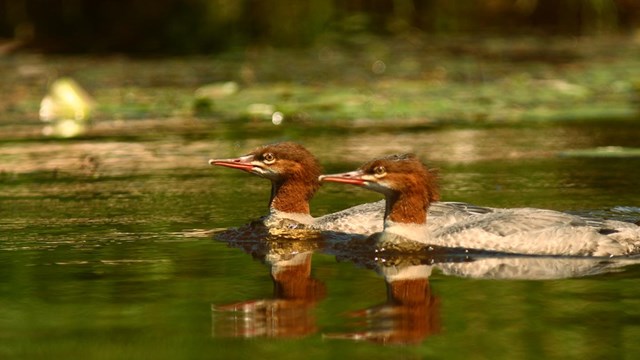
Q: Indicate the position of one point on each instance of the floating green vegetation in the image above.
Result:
(418, 81)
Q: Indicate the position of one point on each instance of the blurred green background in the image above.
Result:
(314, 63)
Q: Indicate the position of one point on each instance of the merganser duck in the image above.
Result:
(410, 188)
(294, 171)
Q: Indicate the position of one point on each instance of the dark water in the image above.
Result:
(107, 251)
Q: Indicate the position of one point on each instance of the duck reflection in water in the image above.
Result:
(412, 311)
(410, 314)
(295, 292)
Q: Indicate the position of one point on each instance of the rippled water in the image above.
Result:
(108, 251)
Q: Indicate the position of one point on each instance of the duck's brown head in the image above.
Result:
(292, 169)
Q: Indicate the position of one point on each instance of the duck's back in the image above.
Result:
(541, 232)
(364, 219)
(367, 219)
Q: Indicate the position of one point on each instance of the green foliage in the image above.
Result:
(206, 26)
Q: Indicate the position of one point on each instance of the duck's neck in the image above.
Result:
(403, 209)
(405, 217)
(290, 196)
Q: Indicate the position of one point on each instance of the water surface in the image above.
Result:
(108, 250)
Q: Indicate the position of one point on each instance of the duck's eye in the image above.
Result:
(379, 171)
(269, 158)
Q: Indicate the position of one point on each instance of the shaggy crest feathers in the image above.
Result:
(300, 164)
(427, 179)
(405, 175)
(294, 172)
